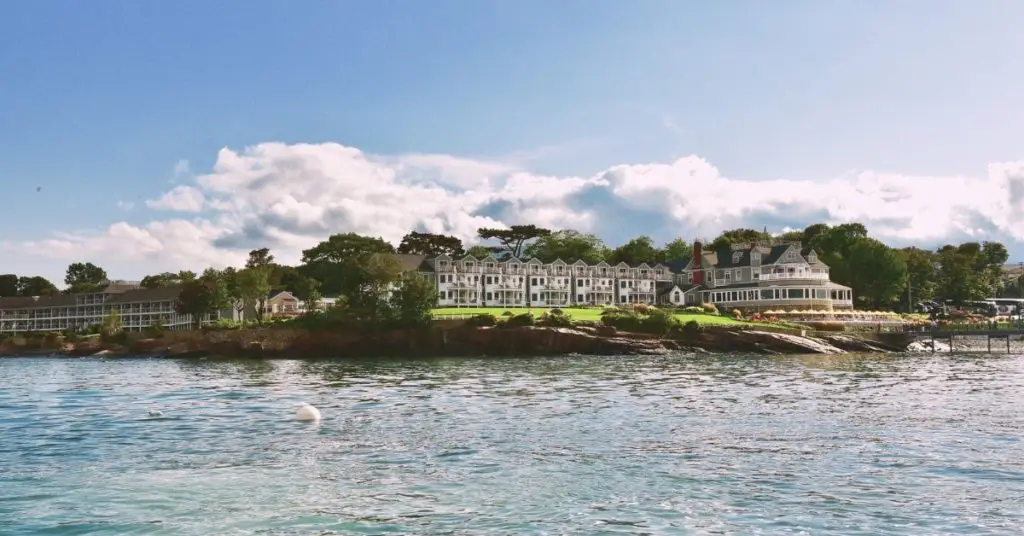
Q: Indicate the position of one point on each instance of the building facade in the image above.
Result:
(761, 277)
(136, 307)
(491, 282)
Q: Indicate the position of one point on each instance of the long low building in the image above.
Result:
(748, 277)
(136, 307)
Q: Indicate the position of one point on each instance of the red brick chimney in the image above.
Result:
(698, 274)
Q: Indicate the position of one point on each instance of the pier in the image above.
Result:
(949, 335)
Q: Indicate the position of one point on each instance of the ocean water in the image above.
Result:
(819, 445)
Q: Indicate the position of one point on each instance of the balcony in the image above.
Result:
(804, 276)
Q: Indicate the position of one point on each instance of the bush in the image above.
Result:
(555, 320)
(482, 320)
(737, 314)
(657, 322)
(709, 308)
(508, 313)
(642, 308)
(520, 320)
(687, 332)
(693, 310)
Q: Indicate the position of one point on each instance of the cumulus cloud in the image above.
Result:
(290, 196)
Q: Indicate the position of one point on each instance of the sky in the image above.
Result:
(147, 136)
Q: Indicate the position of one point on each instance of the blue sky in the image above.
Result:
(104, 103)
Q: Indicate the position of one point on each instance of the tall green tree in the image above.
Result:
(412, 301)
(253, 289)
(416, 243)
(921, 271)
(568, 245)
(515, 238)
(307, 289)
(878, 274)
(84, 277)
(167, 279)
(739, 236)
(259, 258)
(196, 300)
(678, 250)
(8, 285)
(36, 286)
(638, 250)
(337, 262)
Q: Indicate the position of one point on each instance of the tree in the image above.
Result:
(878, 274)
(368, 295)
(412, 302)
(568, 245)
(636, 251)
(253, 289)
(8, 285)
(259, 258)
(417, 243)
(483, 251)
(84, 277)
(196, 300)
(920, 273)
(337, 261)
(167, 279)
(307, 289)
(515, 238)
(678, 250)
(739, 236)
(220, 297)
(965, 272)
(111, 325)
(36, 286)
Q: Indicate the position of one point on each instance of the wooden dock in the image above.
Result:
(950, 335)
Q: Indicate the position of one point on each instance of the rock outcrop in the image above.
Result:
(465, 341)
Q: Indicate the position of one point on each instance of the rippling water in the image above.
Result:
(655, 445)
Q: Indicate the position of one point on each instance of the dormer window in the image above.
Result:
(812, 257)
(736, 256)
(755, 256)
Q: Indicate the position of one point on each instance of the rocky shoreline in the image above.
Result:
(461, 341)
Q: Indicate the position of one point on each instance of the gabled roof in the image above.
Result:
(534, 260)
(602, 263)
(665, 288)
(643, 265)
(580, 262)
(281, 294)
(622, 265)
(558, 261)
(468, 257)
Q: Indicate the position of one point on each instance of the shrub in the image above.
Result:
(520, 320)
(737, 314)
(556, 312)
(555, 320)
(709, 308)
(687, 332)
(612, 310)
(642, 308)
(508, 313)
(154, 331)
(482, 320)
(693, 310)
(657, 323)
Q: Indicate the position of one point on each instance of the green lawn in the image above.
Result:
(593, 313)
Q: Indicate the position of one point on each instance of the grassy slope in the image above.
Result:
(593, 313)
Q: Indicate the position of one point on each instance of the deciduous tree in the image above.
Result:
(636, 251)
(36, 286)
(8, 285)
(678, 250)
(417, 243)
(337, 261)
(84, 277)
(568, 245)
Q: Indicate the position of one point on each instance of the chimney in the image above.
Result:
(698, 274)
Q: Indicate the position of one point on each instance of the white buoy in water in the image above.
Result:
(307, 413)
(156, 413)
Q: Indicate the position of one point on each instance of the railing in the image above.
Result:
(787, 276)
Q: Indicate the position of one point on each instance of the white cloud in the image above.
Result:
(289, 197)
(182, 167)
(180, 199)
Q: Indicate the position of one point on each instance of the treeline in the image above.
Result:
(360, 272)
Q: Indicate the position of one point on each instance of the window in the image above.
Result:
(755, 256)
(533, 280)
(533, 297)
(622, 284)
(689, 277)
(756, 275)
(490, 296)
(736, 275)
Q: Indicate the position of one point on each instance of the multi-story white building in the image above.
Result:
(492, 282)
(136, 307)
